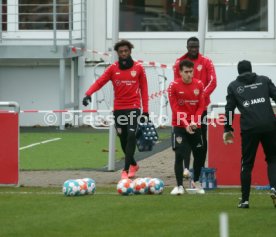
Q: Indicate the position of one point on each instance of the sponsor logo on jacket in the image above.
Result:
(247, 103)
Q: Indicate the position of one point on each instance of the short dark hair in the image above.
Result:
(193, 39)
(244, 66)
(123, 43)
(186, 63)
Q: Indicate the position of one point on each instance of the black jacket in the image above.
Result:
(251, 94)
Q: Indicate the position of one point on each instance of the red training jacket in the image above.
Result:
(130, 86)
(204, 71)
(187, 102)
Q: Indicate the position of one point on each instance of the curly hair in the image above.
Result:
(123, 43)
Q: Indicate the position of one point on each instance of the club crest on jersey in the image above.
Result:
(133, 73)
(196, 92)
(181, 102)
(199, 67)
(178, 140)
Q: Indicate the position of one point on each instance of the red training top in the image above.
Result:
(187, 102)
(203, 70)
(130, 86)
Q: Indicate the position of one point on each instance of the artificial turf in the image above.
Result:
(73, 151)
(46, 212)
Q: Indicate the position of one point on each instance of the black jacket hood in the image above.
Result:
(247, 78)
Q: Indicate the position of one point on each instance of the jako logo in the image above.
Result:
(257, 101)
(247, 103)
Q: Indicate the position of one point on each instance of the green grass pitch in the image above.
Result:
(72, 151)
(45, 212)
(33, 212)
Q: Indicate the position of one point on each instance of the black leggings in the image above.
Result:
(181, 141)
(126, 126)
(187, 153)
(250, 143)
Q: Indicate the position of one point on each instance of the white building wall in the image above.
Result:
(167, 50)
(34, 88)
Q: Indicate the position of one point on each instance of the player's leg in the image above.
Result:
(121, 129)
(195, 141)
(268, 141)
(250, 144)
(179, 144)
(187, 158)
(122, 132)
(131, 140)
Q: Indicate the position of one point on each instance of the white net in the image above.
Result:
(158, 100)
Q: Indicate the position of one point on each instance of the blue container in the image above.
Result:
(207, 178)
(266, 187)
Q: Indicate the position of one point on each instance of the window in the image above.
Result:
(39, 16)
(241, 15)
(34, 19)
(4, 15)
(158, 15)
(179, 18)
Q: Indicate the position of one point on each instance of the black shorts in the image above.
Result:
(126, 119)
(181, 138)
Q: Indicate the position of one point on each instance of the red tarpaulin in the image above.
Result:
(8, 148)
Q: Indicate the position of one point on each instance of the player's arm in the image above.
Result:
(143, 83)
(229, 116)
(101, 81)
(229, 110)
(201, 105)
(172, 97)
(98, 84)
(176, 70)
(272, 90)
(211, 78)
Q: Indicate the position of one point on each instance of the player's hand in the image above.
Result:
(228, 138)
(86, 100)
(191, 128)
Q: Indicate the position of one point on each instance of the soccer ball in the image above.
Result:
(156, 186)
(91, 185)
(147, 179)
(140, 186)
(71, 188)
(125, 187)
(83, 186)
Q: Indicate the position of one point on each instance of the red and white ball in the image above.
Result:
(140, 186)
(83, 186)
(125, 187)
